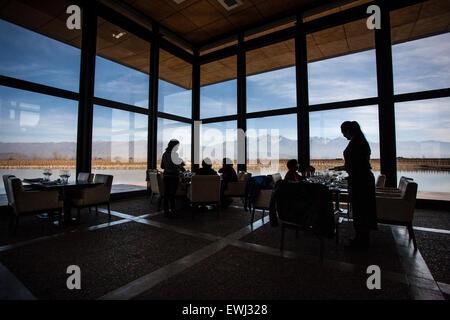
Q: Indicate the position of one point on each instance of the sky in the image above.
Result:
(30, 117)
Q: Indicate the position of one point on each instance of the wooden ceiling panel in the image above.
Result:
(246, 4)
(420, 20)
(334, 48)
(157, 9)
(24, 15)
(405, 16)
(178, 23)
(198, 35)
(220, 26)
(432, 25)
(271, 8)
(245, 18)
(135, 44)
(363, 42)
(329, 35)
(57, 29)
(401, 32)
(202, 13)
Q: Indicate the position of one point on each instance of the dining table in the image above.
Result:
(65, 189)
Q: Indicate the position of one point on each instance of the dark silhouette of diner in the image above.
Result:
(292, 174)
(361, 184)
(206, 168)
(228, 175)
(172, 165)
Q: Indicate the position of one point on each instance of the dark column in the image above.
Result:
(301, 71)
(195, 140)
(87, 76)
(242, 99)
(386, 112)
(153, 100)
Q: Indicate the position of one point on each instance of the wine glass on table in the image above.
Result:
(64, 175)
(47, 173)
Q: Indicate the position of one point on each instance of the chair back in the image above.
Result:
(85, 177)
(243, 176)
(15, 189)
(403, 181)
(156, 182)
(7, 188)
(381, 181)
(105, 189)
(276, 177)
(205, 188)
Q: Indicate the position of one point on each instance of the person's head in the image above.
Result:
(292, 165)
(206, 163)
(351, 129)
(227, 162)
(173, 145)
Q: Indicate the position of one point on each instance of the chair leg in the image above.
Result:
(151, 197)
(412, 235)
(96, 210)
(253, 214)
(282, 238)
(263, 215)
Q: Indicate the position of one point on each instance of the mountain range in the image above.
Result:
(321, 148)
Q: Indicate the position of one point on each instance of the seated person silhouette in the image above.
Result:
(206, 168)
(228, 175)
(292, 175)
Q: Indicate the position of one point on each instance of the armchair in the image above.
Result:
(156, 185)
(381, 181)
(399, 209)
(237, 189)
(95, 196)
(31, 202)
(85, 177)
(262, 202)
(205, 190)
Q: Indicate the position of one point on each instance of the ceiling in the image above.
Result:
(202, 21)
(199, 21)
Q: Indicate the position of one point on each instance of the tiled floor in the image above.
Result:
(141, 254)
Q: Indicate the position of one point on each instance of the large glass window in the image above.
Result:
(122, 66)
(119, 145)
(168, 130)
(422, 64)
(341, 67)
(218, 141)
(423, 143)
(36, 132)
(271, 78)
(271, 142)
(30, 56)
(175, 85)
(327, 144)
(218, 88)
(421, 46)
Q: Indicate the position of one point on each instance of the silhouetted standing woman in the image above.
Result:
(361, 184)
(173, 166)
